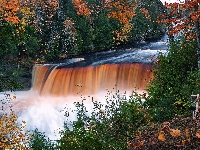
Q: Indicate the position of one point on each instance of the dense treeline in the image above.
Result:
(57, 30)
(40, 31)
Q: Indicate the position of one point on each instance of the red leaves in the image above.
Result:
(166, 127)
(181, 17)
(195, 16)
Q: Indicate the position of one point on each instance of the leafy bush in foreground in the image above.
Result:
(121, 124)
(40, 141)
(12, 134)
(173, 83)
(108, 127)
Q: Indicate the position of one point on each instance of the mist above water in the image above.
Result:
(57, 86)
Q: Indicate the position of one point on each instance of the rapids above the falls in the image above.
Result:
(56, 87)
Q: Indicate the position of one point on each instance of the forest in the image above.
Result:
(38, 31)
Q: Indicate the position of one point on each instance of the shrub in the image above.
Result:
(108, 127)
(170, 90)
(40, 141)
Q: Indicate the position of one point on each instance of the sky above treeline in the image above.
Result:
(172, 1)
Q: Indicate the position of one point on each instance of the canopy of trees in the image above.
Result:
(66, 27)
(183, 18)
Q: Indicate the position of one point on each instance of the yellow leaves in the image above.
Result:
(26, 11)
(123, 34)
(11, 135)
(161, 136)
(175, 132)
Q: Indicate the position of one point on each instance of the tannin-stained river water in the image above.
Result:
(55, 87)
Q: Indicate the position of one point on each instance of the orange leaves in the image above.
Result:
(179, 133)
(13, 19)
(198, 134)
(54, 3)
(123, 11)
(11, 10)
(195, 16)
(190, 4)
(175, 132)
(166, 129)
(161, 136)
(136, 145)
(81, 8)
(145, 12)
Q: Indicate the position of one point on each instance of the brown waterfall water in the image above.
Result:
(55, 87)
(56, 81)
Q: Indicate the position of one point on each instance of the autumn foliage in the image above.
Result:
(12, 135)
(178, 133)
(11, 10)
(182, 17)
(121, 10)
(81, 7)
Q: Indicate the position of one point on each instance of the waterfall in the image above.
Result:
(52, 80)
(56, 86)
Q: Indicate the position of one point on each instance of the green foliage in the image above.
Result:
(9, 84)
(15, 48)
(170, 90)
(40, 141)
(8, 43)
(109, 126)
(102, 32)
(96, 32)
(147, 29)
